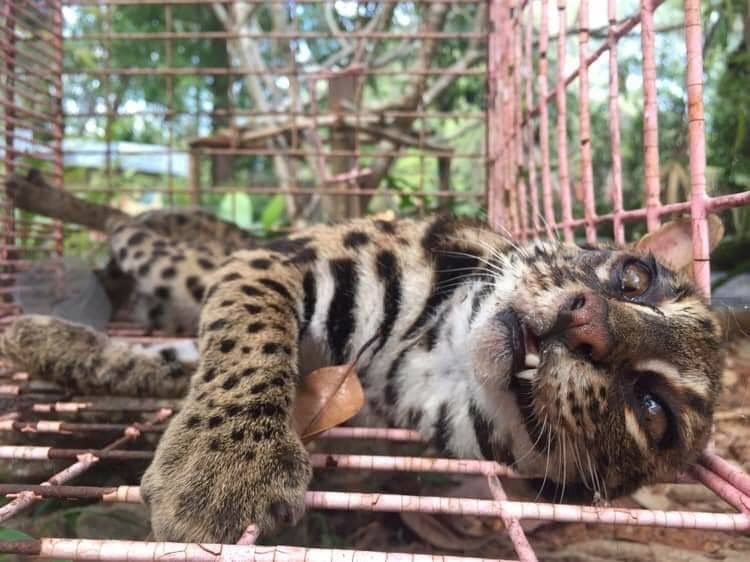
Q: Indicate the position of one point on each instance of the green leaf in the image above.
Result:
(7, 534)
(11, 535)
(237, 208)
(273, 212)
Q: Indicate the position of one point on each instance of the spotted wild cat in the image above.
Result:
(590, 369)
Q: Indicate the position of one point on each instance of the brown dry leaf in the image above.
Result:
(327, 397)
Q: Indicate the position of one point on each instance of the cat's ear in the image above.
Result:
(672, 243)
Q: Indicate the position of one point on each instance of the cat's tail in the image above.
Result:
(88, 362)
(32, 193)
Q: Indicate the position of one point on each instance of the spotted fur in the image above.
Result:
(433, 311)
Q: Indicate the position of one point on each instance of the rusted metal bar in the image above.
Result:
(295, 35)
(651, 174)
(528, 510)
(133, 551)
(499, 508)
(20, 24)
(320, 460)
(364, 115)
(31, 71)
(722, 488)
(329, 153)
(251, 71)
(251, 2)
(25, 165)
(86, 458)
(50, 426)
(23, 86)
(108, 404)
(390, 434)
(57, 122)
(509, 119)
(494, 131)
(25, 499)
(528, 67)
(549, 211)
(562, 128)
(584, 117)
(119, 494)
(697, 145)
(614, 125)
(38, 58)
(9, 161)
(731, 474)
(25, 111)
(36, 21)
(512, 524)
(518, 137)
(37, 7)
(272, 190)
(28, 548)
(718, 203)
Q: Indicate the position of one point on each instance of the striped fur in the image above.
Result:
(426, 309)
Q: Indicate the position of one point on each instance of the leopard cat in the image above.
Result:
(591, 370)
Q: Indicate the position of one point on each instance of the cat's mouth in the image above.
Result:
(524, 345)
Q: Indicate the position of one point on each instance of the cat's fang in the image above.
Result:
(527, 374)
(532, 360)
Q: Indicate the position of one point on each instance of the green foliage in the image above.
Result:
(145, 100)
(273, 214)
(237, 208)
(728, 58)
(7, 534)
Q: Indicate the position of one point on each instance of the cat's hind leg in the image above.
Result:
(84, 361)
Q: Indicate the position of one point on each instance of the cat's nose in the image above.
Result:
(585, 325)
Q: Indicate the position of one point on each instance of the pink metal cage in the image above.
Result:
(521, 198)
(514, 200)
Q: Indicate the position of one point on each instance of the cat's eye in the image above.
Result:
(655, 417)
(636, 279)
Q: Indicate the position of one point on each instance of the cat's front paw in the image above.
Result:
(208, 484)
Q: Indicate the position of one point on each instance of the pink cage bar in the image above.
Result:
(516, 111)
(521, 199)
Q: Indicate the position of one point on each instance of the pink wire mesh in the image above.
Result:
(30, 110)
(727, 482)
(519, 167)
(506, 128)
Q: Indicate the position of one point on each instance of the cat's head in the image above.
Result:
(615, 361)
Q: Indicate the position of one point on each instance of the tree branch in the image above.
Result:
(415, 93)
(333, 25)
(435, 21)
(222, 14)
(401, 49)
(246, 51)
(444, 81)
